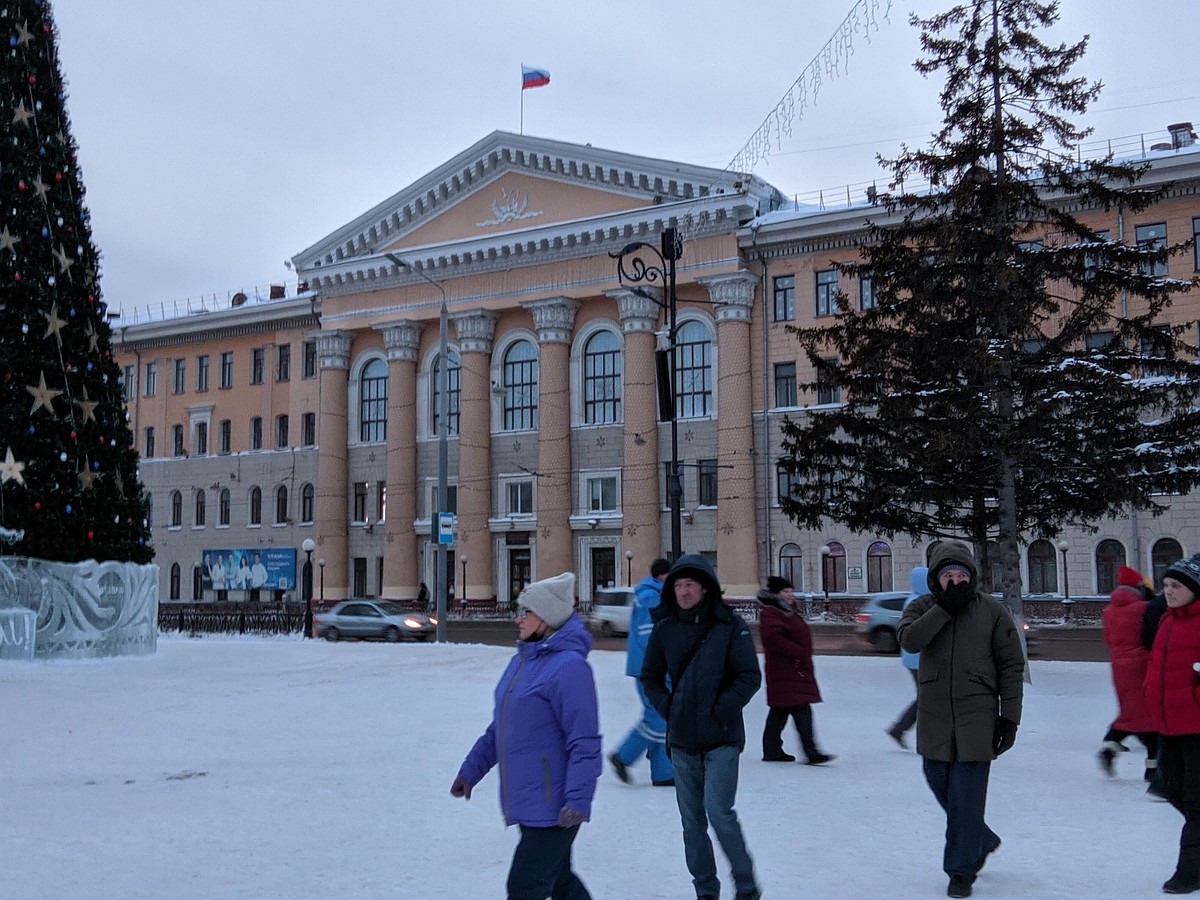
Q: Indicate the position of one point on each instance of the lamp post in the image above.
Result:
(308, 547)
(1063, 547)
(463, 588)
(321, 566)
(632, 267)
(824, 552)
(629, 568)
(443, 414)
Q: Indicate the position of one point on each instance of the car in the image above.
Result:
(374, 619)
(879, 618)
(611, 609)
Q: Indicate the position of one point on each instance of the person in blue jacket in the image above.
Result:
(649, 736)
(545, 737)
(911, 661)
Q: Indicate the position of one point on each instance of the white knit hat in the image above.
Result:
(552, 599)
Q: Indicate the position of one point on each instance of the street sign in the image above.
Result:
(445, 528)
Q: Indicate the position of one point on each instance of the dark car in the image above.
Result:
(374, 619)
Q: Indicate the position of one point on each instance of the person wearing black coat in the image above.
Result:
(700, 671)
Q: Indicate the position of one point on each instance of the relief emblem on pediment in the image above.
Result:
(511, 207)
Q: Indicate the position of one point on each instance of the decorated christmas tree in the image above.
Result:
(69, 486)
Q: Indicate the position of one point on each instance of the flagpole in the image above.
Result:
(522, 129)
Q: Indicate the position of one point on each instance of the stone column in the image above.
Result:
(554, 320)
(475, 331)
(401, 566)
(737, 529)
(641, 487)
(332, 500)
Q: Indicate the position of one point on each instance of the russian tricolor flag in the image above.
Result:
(533, 78)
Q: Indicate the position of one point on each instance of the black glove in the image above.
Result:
(461, 788)
(1004, 735)
(955, 598)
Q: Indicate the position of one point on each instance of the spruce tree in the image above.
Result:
(69, 482)
(1015, 376)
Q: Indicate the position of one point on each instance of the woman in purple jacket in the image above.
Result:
(545, 736)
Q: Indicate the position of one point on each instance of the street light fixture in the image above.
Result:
(629, 568)
(1063, 547)
(443, 414)
(632, 267)
(463, 587)
(321, 565)
(824, 550)
(308, 546)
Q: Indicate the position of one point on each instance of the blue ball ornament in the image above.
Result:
(70, 510)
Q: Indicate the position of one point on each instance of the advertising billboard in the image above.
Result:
(271, 569)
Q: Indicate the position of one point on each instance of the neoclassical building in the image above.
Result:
(316, 415)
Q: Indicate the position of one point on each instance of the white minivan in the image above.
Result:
(611, 609)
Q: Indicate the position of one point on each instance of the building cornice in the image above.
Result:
(293, 313)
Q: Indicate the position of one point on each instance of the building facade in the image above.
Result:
(316, 415)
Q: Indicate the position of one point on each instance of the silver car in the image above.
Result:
(374, 619)
(611, 610)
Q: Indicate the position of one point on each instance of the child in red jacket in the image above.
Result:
(1123, 633)
(1173, 695)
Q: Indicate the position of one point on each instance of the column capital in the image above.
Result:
(553, 318)
(401, 339)
(333, 349)
(732, 295)
(638, 312)
(475, 330)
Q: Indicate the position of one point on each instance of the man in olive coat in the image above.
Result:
(968, 700)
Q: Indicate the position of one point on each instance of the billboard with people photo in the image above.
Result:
(248, 570)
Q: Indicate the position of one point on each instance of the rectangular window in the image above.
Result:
(785, 385)
(227, 369)
(257, 363)
(520, 498)
(1091, 261)
(602, 494)
(1154, 238)
(827, 392)
(202, 439)
(381, 501)
(360, 576)
(225, 439)
(180, 377)
(866, 294)
(785, 481)
(1097, 340)
(783, 306)
(451, 500)
(1156, 345)
(706, 482)
(308, 429)
(202, 373)
(151, 379)
(283, 362)
(130, 376)
(826, 285)
(256, 433)
(360, 502)
(281, 432)
(149, 443)
(177, 440)
(310, 359)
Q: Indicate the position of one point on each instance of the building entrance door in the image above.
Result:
(519, 571)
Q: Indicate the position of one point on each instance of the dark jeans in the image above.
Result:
(1179, 765)
(705, 789)
(908, 718)
(777, 717)
(961, 790)
(541, 866)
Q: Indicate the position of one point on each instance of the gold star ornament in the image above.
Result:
(87, 408)
(10, 469)
(42, 395)
(7, 241)
(54, 324)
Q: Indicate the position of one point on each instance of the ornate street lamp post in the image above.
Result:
(824, 551)
(1063, 547)
(629, 568)
(308, 547)
(632, 267)
(321, 566)
(463, 587)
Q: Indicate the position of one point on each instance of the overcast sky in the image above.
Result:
(220, 137)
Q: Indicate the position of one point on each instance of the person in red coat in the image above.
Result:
(1123, 633)
(791, 682)
(1172, 683)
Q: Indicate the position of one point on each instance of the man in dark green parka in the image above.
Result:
(968, 700)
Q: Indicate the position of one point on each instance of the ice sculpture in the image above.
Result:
(83, 610)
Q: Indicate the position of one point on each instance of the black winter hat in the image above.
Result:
(777, 583)
(696, 567)
(1187, 573)
(659, 568)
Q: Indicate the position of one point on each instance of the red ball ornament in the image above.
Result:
(58, 177)
(20, 185)
(33, 79)
(17, 278)
(74, 436)
(91, 535)
(37, 506)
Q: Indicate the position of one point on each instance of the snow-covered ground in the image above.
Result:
(257, 768)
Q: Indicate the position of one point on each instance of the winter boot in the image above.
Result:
(1177, 884)
(819, 759)
(619, 767)
(960, 886)
(897, 735)
(1107, 756)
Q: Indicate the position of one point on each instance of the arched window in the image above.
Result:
(833, 578)
(879, 567)
(201, 507)
(372, 402)
(602, 379)
(454, 380)
(520, 384)
(306, 503)
(281, 509)
(176, 509)
(1110, 556)
(175, 576)
(223, 507)
(256, 505)
(1043, 567)
(693, 370)
(1164, 552)
(791, 565)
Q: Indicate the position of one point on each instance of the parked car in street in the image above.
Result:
(879, 619)
(365, 619)
(611, 609)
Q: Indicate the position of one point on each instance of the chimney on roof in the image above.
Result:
(1182, 135)
(238, 299)
(278, 292)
